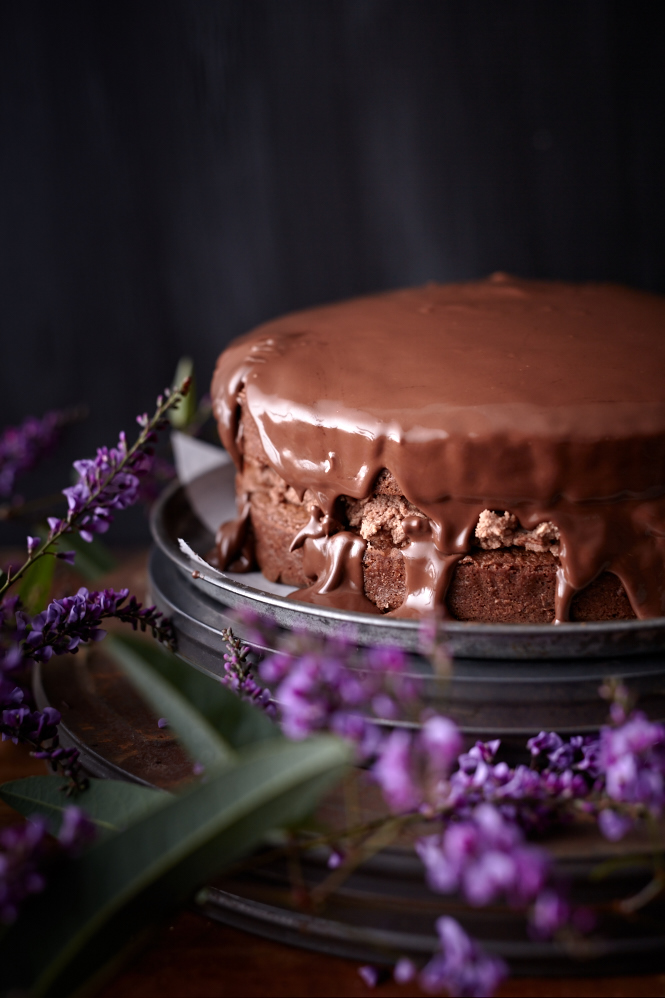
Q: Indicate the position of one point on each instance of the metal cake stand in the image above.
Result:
(508, 681)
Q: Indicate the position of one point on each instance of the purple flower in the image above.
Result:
(239, 676)
(485, 857)
(580, 752)
(550, 911)
(462, 969)
(481, 753)
(335, 859)
(387, 658)
(32, 544)
(76, 831)
(25, 854)
(545, 742)
(20, 724)
(370, 975)
(162, 723)
(69, 622)
(632, 757)
(411, 768)
(68, 556)
(275, 668)
(334, 685)
(614, 825)
(394, 774)
(22, 850)
(22, 446)
(111, 481)
(107, 483)
(442, 742)
(405, 970)
(39, 729)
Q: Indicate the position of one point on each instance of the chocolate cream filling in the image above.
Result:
(500, 408)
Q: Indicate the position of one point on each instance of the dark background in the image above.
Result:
(173, 172)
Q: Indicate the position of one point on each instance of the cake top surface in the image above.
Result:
(584, 360)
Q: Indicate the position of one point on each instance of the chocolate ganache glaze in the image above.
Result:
(541, 399)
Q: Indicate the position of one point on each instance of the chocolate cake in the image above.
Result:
(492, 450)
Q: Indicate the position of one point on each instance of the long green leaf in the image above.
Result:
(112, 804)
(95, 904)
(183, 415)
(238, 722)
(198, 737)
(35, 586)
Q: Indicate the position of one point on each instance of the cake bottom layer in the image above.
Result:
(508, 585)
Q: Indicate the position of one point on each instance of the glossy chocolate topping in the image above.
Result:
(541, 399)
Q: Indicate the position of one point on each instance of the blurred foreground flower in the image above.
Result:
(21, 447)
(27, 851)
(463, 968)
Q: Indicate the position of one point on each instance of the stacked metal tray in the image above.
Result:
(508, 680)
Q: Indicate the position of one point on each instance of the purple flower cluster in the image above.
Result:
(111, 481)
(61, 628)
(481, 809)
(462, 968)
(107, 483)
(632, 759)
(26, 851)
(485, 858)
(413, 769)
(23, 849)
(620, 775)
(239, 676)
(425, 771)
(22, 446)
(532, 797)
(20, 724)
(69, 622)
(338, 687)
(39, 729)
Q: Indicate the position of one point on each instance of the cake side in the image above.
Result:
(499, 581)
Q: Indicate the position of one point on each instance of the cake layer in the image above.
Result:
(539, 402)
(503, 585)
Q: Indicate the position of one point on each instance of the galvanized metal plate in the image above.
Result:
(488, 698)
(194, 511)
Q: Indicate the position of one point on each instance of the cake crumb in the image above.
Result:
(380, 513)
(502, 530)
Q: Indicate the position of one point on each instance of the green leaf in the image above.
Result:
(237, 721)
(93, 905)
(35, 586)
(93, 560)
(183, 415)
(112, 804)
(194, 732)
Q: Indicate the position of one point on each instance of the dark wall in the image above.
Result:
(173, 172)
